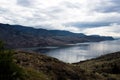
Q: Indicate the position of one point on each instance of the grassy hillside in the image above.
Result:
(47, 68)
(107, 66)
(43, 67)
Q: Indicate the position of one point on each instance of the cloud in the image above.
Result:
(110, 6)
(73, 15)
(88, 24)
(112, 30)
(24, 2)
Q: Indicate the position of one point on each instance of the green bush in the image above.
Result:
(8, 69)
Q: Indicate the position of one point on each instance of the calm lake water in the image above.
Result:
(81, 51)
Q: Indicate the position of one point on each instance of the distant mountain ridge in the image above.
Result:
(17, 36)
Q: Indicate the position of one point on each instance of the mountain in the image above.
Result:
(17, 36)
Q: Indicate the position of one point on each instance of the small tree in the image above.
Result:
(1, 46)
(8, 69)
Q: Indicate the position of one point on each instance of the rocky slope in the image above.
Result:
(16, 36)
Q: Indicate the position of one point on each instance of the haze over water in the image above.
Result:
(83, 51)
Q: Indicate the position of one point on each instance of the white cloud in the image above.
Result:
(53, 14)
(112, 30)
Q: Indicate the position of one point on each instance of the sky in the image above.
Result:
(92, 17)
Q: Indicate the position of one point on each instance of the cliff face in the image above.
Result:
(43, 67)
(16, 36)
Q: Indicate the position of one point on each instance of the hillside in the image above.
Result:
(16, 36)
(41, 67)
(106, 66)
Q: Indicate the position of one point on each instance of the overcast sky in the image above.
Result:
(82, 16)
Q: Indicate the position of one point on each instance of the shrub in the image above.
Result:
(8, 69)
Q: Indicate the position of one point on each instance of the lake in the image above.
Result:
(81, 51)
